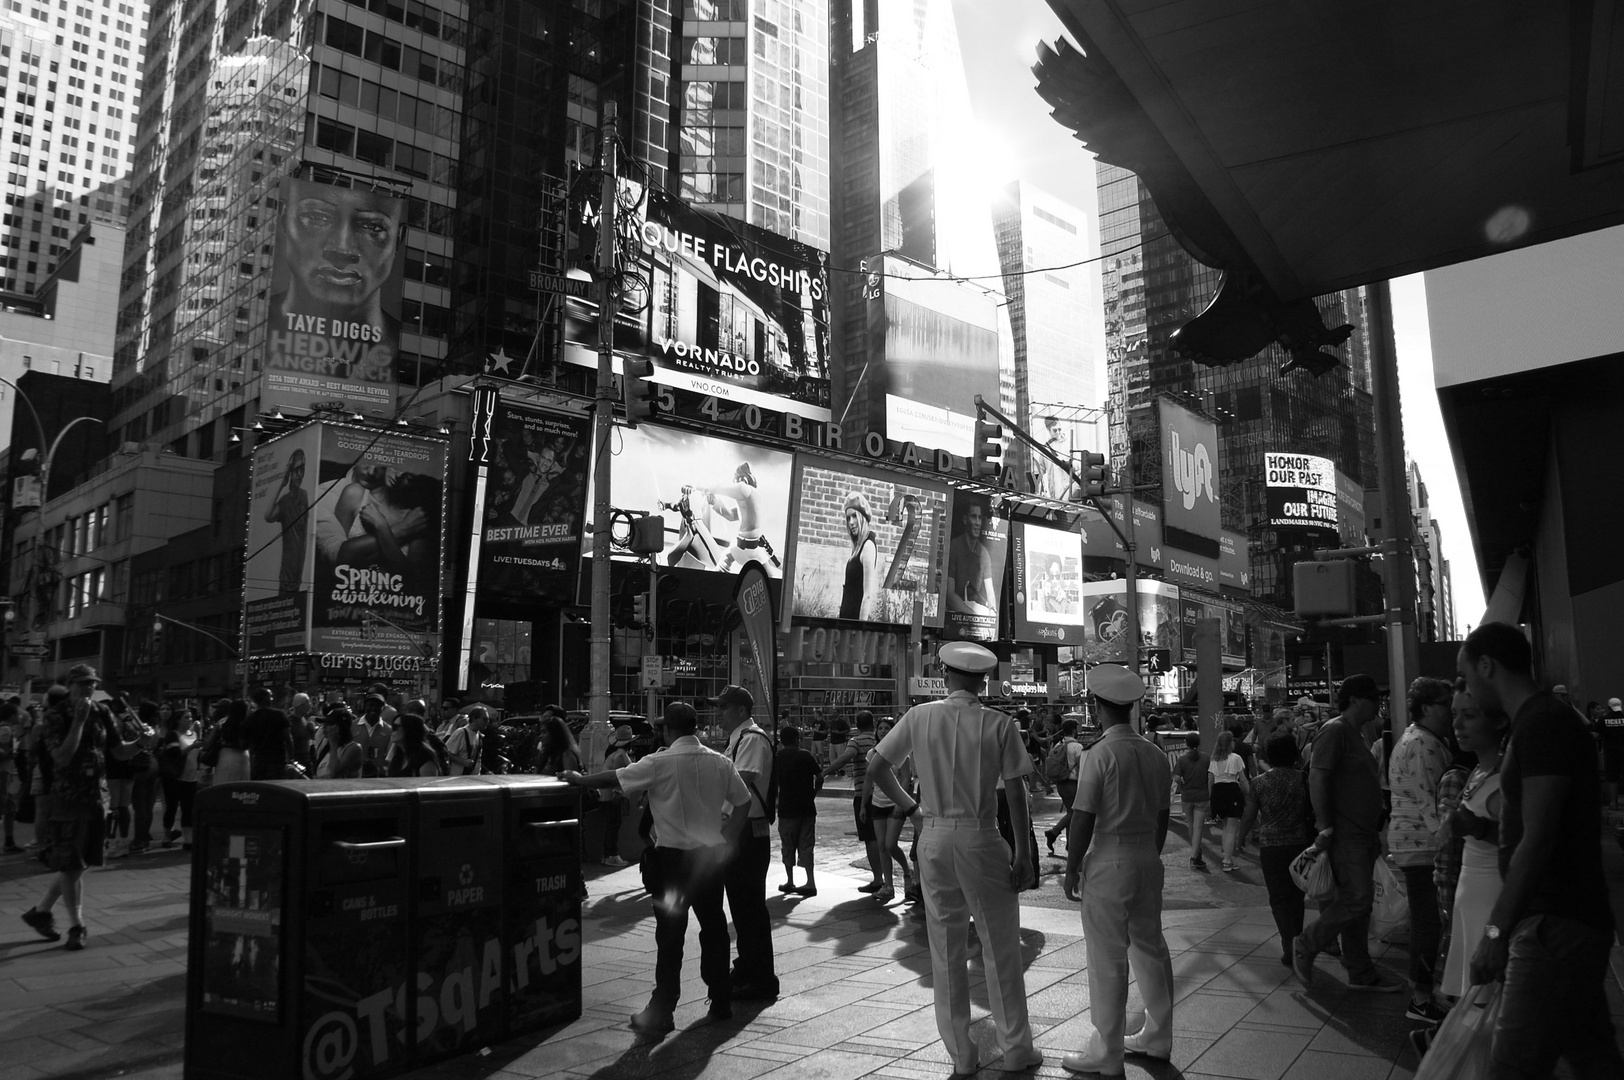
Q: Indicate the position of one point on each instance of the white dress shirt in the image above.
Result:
(689, 787)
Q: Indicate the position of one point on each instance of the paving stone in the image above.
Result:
(1252, 1055)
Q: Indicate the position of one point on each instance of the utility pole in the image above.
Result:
(1398, 572)
(1130, 572)
(603, 419)
(652, 633)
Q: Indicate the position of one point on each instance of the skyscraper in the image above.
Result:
(73, 87)
(1040, 242)
(914, 340)
(241, 97)
(1151, 288)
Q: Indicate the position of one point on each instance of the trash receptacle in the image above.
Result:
(457, 941)
(542, 920)
(298, 945)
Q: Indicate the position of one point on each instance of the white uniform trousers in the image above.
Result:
(964, 870)
(1122, 924)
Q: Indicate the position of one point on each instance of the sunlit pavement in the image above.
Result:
(856, 997)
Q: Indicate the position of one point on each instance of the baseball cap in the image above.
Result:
(733, 695)
(1615, 704)
(1559, 688)
(82, 673)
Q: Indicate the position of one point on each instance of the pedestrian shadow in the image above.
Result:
(874, 923)
(685, 1054)
(620, 911)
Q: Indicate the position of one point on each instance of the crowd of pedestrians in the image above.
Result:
(1485, 806)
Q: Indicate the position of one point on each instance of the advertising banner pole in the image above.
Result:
(603, 424)
(653, 634)
(1131, 564)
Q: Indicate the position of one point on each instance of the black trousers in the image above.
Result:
(747, 900)
(690, 882)
(1285, 898)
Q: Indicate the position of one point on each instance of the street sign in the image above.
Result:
(31, 650)
(651, 671)
(546, 281)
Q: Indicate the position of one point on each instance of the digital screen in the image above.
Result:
(940, 349)
(1301, 491)
(725, 503)
(977, 549)
(535, 504)
(1048, 591)
(868, 544)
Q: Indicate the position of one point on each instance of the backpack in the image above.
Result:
(769, 802)
(1056, 766)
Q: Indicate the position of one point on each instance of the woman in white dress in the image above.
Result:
(1477, 819)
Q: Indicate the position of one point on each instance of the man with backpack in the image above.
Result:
(1060, 766)
(751, 751)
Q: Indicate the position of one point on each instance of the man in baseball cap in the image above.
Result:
(961, 750)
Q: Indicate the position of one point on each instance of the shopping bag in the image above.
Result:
(1392, 908)
(1312, 872)
(1460, 1050)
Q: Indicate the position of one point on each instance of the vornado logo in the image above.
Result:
(1192, 471)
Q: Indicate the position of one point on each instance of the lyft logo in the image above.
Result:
(1192, 471)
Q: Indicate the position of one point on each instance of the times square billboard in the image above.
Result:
(721, 307)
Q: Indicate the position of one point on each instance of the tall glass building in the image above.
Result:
(1152, 287)
(354, 94)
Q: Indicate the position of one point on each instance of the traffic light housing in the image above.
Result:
(1096, 475)
(637, 392)
(640, 609)
(1158, 661)
(648, 534)
(987, 459)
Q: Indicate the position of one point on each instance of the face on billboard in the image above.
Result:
(977, 549)
(334, 326)
(724, 503)
(378, 543)
(867, 545)
(534, 505)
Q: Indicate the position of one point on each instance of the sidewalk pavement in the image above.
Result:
(856, 993)
(856, 998)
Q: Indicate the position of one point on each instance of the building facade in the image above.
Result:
(72, 79)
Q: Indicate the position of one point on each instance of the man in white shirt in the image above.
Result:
(463, 746)
(960, 750)
(751, 751)
(690, 789)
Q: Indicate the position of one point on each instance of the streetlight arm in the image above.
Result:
(198, 630)
(51, 455)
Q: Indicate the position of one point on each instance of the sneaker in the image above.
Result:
(1302, 962)
(913, 896)
(1376, 983)
(44, 924)
(615, 860)
(1427, 1011)
(76, 938)
(787, 887)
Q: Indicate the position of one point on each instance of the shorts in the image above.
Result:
(1227, 801)
(876, 812)
(797, 834)
(865, 829)
(76, 842)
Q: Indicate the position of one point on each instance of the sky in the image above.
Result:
(999, 43)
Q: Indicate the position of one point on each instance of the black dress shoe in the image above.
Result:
(652, 1021)
(720, 1009)
(754, 992)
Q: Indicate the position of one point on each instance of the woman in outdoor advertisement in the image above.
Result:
(857, 596)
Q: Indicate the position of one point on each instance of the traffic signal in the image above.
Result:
(1095, 474)
(640, 609)
(987, 460)
(1158, 661)
(648, 534)
(637, 391)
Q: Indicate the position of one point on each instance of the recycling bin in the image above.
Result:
(352, 929)
(457, 946)
(298, 945)
(542, 920)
